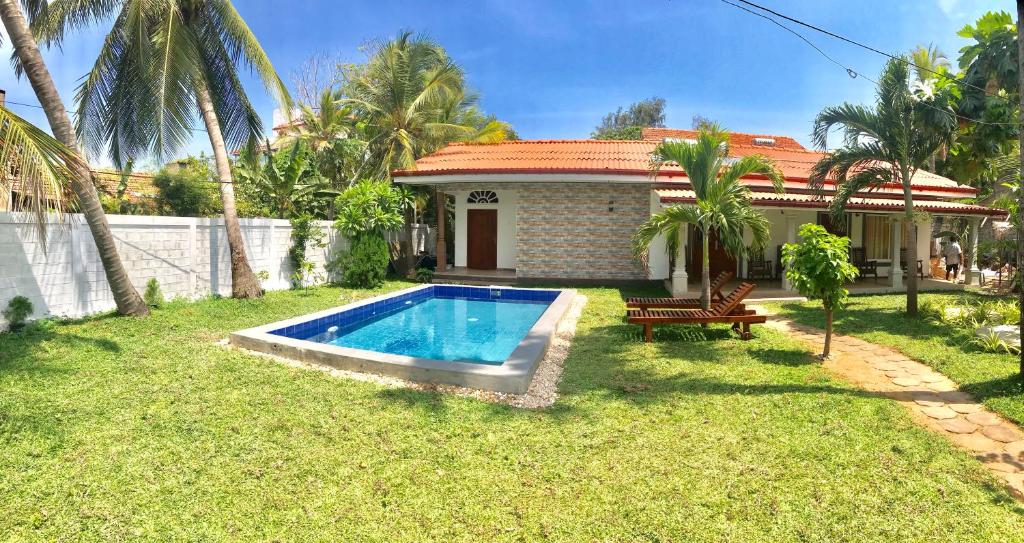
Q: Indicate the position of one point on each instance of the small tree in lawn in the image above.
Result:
(819, 267)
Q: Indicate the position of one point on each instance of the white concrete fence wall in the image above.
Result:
(188, 256)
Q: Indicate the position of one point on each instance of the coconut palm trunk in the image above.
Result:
(125, 295)
(911, 229)
(243, 281)
(1020, 196)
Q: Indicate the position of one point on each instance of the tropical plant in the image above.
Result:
(186, 190)
(992, 342)
(722, 201)
(161, 63)
(424, 275)
(154, 296)
(819, 267)
(331, 132)
(411, 97)
(286, 180)
(39, 164)
(412, 100)
(30, 63)
(628, 124)
(884, 146)
(19, 309)
(366, 212)
(305, 233)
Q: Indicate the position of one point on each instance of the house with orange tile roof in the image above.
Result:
(567, 209)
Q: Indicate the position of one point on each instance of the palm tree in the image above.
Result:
(31, 63)
(161, 61)
(928, 61)
(722, 203)
(886, 145)
(412, 98)
(332, 132)
(40, 165)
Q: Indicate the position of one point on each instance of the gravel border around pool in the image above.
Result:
(512, 376)
(542, 392)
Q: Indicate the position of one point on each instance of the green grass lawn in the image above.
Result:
(123, 429)
(990, 377)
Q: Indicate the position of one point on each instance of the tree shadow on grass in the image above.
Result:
(858, 317)
(782, 357)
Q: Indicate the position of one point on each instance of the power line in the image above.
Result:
(869, 48)
(849, 70)
(11, 102)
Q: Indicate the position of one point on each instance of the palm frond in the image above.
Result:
(669, 223)
(755, 164)
(41, 166)
(243, 47)
(857, 121)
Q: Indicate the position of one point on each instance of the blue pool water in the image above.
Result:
(474, 324)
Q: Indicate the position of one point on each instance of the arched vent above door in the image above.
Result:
(482, 197)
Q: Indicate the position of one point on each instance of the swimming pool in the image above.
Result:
(481, 337)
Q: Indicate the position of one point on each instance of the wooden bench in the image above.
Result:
(726, 311)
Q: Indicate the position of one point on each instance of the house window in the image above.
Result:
(482, 197)
(878, 237)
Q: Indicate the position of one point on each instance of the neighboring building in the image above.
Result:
(140, 188)
(567, 209)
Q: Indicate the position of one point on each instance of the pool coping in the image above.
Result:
(512, 376)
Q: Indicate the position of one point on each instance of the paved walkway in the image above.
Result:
(934, 401)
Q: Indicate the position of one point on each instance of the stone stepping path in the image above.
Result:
(933, 400)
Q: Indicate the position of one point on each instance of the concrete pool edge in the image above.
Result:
(512, 376)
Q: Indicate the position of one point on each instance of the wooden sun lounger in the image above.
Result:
(725, 311)
(682, 303)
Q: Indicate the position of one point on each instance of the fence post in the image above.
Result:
(193, 258)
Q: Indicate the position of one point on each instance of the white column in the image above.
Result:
(680, 287)
(972, 275)
(790, 238)
(895, 272)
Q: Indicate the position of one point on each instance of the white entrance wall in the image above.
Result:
(657, 257)
(508, 201)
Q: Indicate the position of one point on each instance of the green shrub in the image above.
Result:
(18, 310)
(154, 297)
(366, 211)
(424, 275)
(365, 265)
(187, 190)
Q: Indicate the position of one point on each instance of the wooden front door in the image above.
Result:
(719, 259)
(482, 239)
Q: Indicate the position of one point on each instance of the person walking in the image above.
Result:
(954, 258)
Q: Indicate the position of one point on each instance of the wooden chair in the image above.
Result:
(725, 311)
(759, 268)
(903, 264)
(682, 303)
(858, 257)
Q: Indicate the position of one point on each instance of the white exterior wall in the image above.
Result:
(657, 257)
(508, 201)
(188, 256)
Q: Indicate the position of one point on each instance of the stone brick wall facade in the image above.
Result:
(575, 230)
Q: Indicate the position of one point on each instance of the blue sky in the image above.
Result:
(553, 69)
